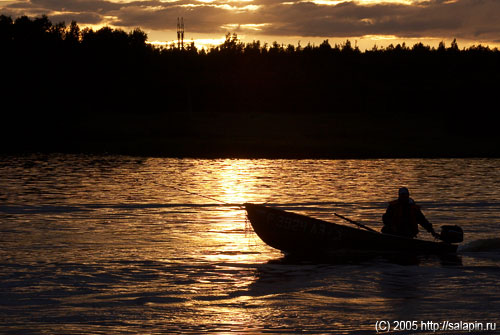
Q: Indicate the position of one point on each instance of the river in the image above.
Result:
(128, 245)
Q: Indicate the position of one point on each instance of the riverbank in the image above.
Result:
(255, 135)
(108, 91)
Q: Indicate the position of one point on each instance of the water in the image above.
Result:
(112, 245)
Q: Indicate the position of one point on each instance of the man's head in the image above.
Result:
(403, 193)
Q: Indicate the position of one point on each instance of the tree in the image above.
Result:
(137, 38)
(57, 31)
(6, 28)
(441, 47)
(73, 34)
(231, 45)
(347, 47)
(325, 46)
(252, 48)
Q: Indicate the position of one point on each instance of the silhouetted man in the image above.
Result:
(403, 217)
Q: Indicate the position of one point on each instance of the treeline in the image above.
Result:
(61, 81)
(118, 71)
(41, 31)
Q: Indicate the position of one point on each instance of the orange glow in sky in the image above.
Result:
(364, 22)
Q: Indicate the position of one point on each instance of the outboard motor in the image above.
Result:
(452, 234)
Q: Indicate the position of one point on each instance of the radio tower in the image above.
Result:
(180, 33)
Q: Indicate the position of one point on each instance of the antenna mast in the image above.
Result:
(180, 33)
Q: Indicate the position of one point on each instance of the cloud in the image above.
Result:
(87, 18)
(467, 19)
(82, 11)
(77, 5)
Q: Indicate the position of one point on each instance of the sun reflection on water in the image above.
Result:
(235, 181)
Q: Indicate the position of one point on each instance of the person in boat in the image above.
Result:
(403, 217)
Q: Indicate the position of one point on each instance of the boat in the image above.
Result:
(294, 233)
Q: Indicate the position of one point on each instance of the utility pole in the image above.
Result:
(180, 33)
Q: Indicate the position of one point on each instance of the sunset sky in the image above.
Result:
(364, 22)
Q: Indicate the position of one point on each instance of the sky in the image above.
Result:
(364, 22)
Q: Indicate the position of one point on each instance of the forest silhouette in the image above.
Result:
(68, 89)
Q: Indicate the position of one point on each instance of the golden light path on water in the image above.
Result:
(235, 182)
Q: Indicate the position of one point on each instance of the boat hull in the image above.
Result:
(294, 233)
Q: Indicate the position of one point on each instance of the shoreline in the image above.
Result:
(254, 135)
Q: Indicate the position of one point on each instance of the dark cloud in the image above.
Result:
(201, 19)
(86, 18)
(77, 5)
(468, 19)
(82, 11)
(465, 19)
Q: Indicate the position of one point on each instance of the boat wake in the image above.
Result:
(48, 209)
(482, 245)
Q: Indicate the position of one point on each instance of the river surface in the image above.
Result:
(125, 245)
